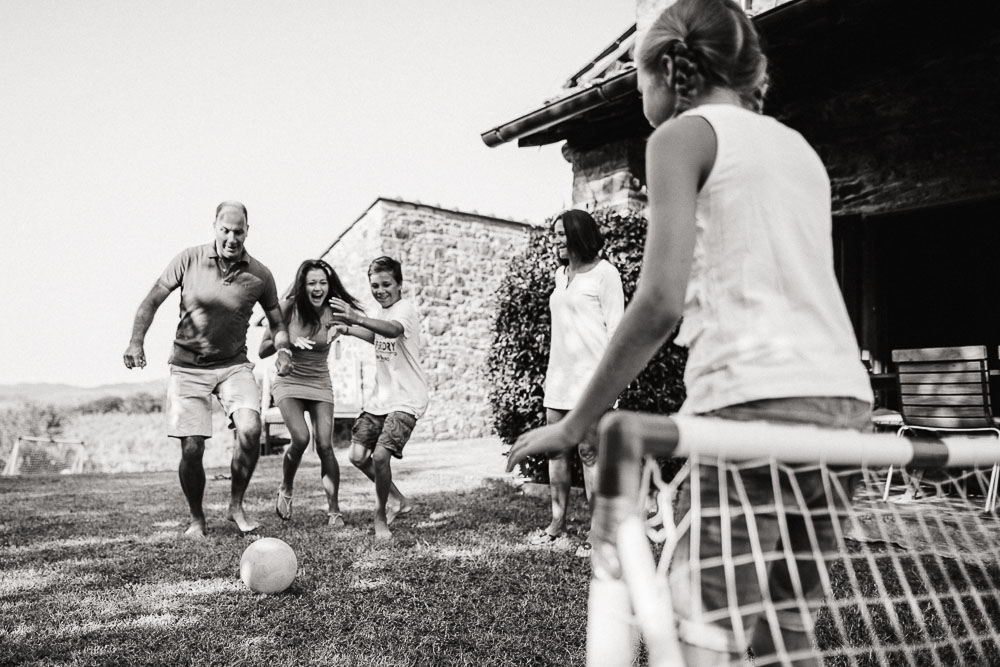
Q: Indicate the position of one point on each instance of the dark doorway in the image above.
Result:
(937, 276)
(922, 278)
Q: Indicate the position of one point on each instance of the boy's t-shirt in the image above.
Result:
(400, 383)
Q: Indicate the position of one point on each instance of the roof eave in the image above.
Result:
(605, 92)
(616, 87)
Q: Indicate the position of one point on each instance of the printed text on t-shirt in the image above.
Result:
(385, 348)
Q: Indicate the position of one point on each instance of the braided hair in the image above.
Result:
(710, 44)
(687, 81)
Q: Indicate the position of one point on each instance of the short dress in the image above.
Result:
(310, 376)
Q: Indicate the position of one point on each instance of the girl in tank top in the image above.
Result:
(308, 388)
(739, 244)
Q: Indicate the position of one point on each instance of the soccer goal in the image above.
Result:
(45, 456)
(773, 545)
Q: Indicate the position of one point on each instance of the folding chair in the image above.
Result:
(946, 389)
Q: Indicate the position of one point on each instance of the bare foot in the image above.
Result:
(555, 529)
(392, 512)
(196, 531)
(335, 520)
(238, 517)
(382, 531)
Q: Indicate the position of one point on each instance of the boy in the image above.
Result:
(400, 395)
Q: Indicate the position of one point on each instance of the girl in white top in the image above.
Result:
(586, 306)
(739, 244)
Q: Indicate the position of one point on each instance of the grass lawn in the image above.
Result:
(92, 571)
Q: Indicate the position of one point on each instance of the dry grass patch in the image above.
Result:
(92, 571)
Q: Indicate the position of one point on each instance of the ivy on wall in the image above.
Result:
(520, 351)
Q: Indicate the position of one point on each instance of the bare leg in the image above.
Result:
(560, 478)
(382, 462)
(293, 413)
(588, 457)
(362, 460)
(192, 475)
(245, 456)
(559, 483)
(322, 414)
(589, 474)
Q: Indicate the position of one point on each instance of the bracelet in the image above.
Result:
(285, 349)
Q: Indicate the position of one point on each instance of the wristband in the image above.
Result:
(285, 349)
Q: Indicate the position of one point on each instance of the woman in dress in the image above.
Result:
(586, 305)
(308, 388)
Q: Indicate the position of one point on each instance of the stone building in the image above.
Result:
(452, 266)
(899, 99)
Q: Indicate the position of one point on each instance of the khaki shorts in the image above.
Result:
(189, 397)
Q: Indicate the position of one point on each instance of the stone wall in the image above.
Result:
(452, 266)
(611, 175)
(891, 97)
(917, 130)
(351, 364)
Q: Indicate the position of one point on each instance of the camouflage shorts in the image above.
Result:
(390, 431)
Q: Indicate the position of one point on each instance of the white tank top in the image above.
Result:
(763, 313)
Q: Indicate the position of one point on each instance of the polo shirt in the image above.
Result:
(215, 305)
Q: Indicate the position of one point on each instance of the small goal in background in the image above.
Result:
(45, 456)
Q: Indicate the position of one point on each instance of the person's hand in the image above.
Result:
(283, 364)
(335, 331)
(344, 312)
(304, 343)
(135, 357)
(546, 440)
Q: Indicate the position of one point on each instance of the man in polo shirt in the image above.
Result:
(220, 283)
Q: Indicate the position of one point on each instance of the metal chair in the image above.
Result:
(946, 389)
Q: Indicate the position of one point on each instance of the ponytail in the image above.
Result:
(710, 44)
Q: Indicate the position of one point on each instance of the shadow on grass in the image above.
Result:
(92, 572)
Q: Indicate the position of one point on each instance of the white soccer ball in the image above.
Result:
(268, 566)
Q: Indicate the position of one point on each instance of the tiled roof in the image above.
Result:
(614, 59)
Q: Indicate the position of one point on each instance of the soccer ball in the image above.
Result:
(268, 566)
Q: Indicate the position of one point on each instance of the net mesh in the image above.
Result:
(36, 456)
(763, 546)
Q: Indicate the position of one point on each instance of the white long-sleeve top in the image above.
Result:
(585, 313)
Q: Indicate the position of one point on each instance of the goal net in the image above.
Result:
(45, 456)
(773, 545)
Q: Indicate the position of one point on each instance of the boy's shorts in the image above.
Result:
(391, 431)
(707, 622)
(189, 397)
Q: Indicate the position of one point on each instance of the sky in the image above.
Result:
(125, 123)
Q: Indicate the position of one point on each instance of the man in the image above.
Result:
(220, 283)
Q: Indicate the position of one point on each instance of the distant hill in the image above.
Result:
(67, 394)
